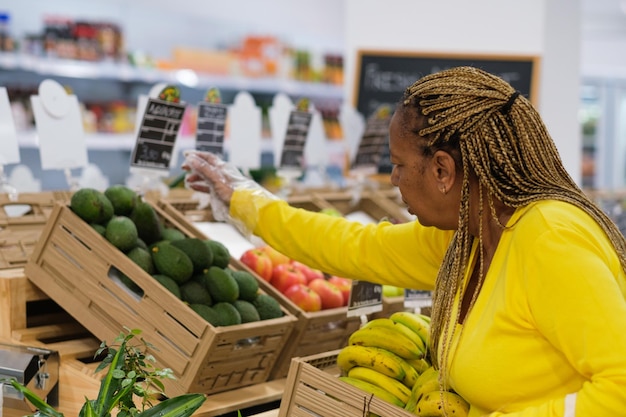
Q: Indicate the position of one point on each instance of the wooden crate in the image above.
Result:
(75, 266)
(314, 389)
(21, 223)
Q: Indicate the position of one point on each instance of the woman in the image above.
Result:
(529, 309)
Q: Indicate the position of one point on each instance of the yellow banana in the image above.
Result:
(420, 365)
(426, 382)
(414, 322)
(410, 374)
(442, 403)
(386, 338)
(425, 317)
(381, 360)
(388, 323)
(385, 382)
(373, 389)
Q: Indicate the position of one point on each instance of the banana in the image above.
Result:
(410, 374)
(425, 317)
(373, 389)
(381, 360)
(414, 322)
(442, 403)
(388, 323)
(386, 338)
(385, 382)
(420, 365)
(426, 382)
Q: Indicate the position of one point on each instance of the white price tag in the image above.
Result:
(9, 148)
(59, 127)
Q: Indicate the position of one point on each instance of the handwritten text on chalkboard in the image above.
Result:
(157, 134)
(210, 129)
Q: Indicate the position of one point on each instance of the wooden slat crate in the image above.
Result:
(21, 223)
(313, 389)
(74, 265)
(314, 332)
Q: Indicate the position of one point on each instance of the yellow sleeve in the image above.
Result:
(575, 294)
(406, 255)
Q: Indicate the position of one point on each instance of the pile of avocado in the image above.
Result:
(194, 270)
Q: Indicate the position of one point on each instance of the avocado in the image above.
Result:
(247, 311)
(207, 313)
(99, 228)
(168, 283)
(122, 233)
(142, 258)
(199, 253)
(248, 285)
(171, 261)
(122, 198)
(142, 244)
(227, 313)
(194, 293)
(91, 205)
(149, 226)
(221, 285)
(267, 306)
(170, 233)
(221, 254)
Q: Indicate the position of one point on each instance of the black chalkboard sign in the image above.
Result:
(210, 127)
(157, 135)
(365, 298)
(292, 156)
(382, 77)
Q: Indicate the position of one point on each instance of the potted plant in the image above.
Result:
(131, 375)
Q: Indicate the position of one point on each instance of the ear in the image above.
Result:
(444, 169)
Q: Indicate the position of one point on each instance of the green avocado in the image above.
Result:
(122, 233)
(221, 254)
(221, 285)
(267, 306)
(199, 253)
(248, 285)
(149, 226)
(194, 292)
(227, 313)
(122, 198)
(171, 261)
(91, 205)
(247, 311)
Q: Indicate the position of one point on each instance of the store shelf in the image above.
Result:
(128, 73)
(102, 141)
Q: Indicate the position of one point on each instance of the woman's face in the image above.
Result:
(427, 183)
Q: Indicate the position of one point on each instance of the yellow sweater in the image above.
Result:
(547, 335)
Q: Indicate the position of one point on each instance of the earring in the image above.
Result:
(443, 189)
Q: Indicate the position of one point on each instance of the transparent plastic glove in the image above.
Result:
(210, 174)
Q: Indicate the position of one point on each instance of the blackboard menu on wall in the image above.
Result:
(382, 77)
(292, 156)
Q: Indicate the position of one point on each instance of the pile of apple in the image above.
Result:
(308, 288)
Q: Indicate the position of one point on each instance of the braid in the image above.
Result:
(514, 159)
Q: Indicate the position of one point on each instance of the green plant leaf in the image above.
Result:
(109, 384)
(43, 407)
(181, 406)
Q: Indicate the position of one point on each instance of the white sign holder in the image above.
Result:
(9, 147)
(59, 130)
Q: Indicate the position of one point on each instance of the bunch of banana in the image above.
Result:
(386, 356)
(427, 399)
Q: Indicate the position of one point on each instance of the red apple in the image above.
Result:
(309, 273)
(344, 285)
(304, 297)
(286, 275)
(276, 257)
(331, 295)
(258, 261)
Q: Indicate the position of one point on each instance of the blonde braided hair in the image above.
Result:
(503, 141)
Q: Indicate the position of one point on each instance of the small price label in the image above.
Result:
(365, 298)
(292, 156)
(416, 299)
(210, 128)
(157, 134)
